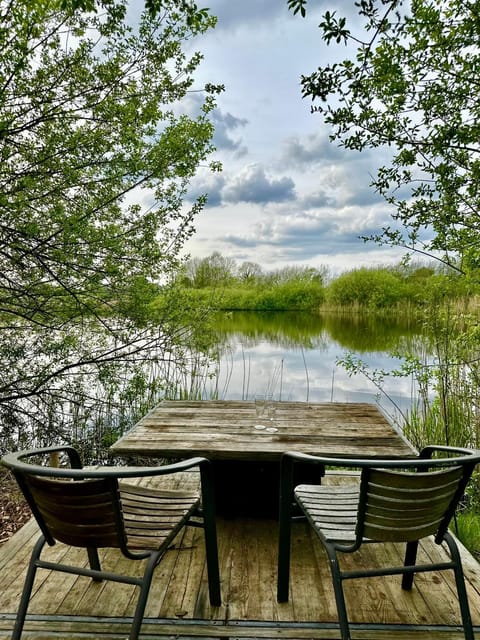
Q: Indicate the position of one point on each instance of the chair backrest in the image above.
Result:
(400, 506)
(81, 513)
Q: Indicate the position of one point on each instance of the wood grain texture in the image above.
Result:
(225, 430)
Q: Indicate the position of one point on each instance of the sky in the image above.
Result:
(287, 196)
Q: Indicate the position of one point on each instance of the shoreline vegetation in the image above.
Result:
(220, 284)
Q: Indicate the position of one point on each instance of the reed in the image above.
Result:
(95, 408)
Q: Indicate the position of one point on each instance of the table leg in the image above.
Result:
(251, 488)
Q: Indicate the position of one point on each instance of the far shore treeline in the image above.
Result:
(221, 283)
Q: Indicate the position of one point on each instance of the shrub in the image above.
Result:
(376, 288)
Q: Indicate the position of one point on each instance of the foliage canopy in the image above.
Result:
(96, 155)
(409, 86)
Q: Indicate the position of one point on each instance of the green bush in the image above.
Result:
(236, 299)
(290, 296)
(299, 296)
(376, 288)
(292, 289)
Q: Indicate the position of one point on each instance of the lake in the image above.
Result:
(293, 356)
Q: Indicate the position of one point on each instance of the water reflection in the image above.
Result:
(286, 329)
(293, 356)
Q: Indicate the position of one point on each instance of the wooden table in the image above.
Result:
(247, 458)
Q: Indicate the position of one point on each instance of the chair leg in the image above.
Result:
(94, 561)
(211, 551)
(210, 532)
(285, 506)
(461, 590)
(143, 596)
(338, 591)
(410, 560)
(27, 588)
(284, 545)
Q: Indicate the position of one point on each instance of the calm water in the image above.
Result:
(293, 356)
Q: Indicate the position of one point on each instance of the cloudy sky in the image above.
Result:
(286, 195)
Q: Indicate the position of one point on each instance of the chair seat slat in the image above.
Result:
(152, 518)
(128, 489)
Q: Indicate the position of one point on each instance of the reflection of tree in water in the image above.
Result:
(284, 329)
(366, 333)
(361, 333)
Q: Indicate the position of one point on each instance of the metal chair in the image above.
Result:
(394, 501)
(94, 508)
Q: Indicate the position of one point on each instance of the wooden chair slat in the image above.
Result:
(138, 507)
(399, 507)
(409, 479)
(128, 489)
(409, 534)
(150, 518)
(59, 487)
(412, 493)
(77, 513)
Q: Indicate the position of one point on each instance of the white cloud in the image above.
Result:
(287, 194)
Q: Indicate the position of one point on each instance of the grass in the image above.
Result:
(467, 529)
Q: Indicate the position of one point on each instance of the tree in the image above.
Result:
(154, 7)
(250, 272)
(410, 86)
(213, 271)
(298, 274)
(95, 156)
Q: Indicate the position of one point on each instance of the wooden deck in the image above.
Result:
(75, 608)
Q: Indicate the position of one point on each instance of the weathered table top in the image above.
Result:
(227, 430)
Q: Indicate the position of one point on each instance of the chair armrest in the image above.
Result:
(289, 458)
(429, 450)
(460, 455)
(160, 470)
(16, 460)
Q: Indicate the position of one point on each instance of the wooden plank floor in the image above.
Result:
(72, 607)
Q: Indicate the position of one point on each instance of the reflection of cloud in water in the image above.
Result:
(289, 371)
